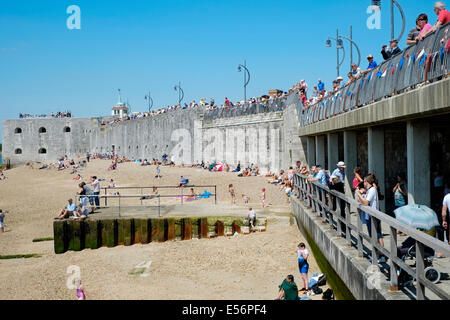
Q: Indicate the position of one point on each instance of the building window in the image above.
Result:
(18, 151)
(18, 130)
(67, 129)
(42, 130)
(42, 151)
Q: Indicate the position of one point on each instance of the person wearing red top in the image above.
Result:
(443, 18)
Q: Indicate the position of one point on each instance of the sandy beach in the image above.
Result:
(241, 267)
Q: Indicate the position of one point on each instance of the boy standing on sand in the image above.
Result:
(158, 172)
(246, 198)
(251, 218)
(2, 217)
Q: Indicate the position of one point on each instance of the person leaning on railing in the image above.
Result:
(371, 199)
(422, 26)
(443, 18)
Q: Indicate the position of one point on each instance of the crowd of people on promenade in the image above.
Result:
(59, 114)
(418, 33)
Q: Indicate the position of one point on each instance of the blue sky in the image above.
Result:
(138, 46)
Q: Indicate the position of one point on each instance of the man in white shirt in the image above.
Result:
(356, 72)
(96, 189)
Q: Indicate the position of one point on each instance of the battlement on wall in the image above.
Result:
(72, 235)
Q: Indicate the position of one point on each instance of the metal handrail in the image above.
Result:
(141, 196)
(315, 195)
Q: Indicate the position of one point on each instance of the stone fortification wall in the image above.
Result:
(258, 139)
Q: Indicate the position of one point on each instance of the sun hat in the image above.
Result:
(341, 164)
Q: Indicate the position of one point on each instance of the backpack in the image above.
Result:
(322, 280)
(328, 295)
(316, 289)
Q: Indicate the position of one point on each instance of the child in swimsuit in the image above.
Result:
(232, 194)
(263, 197)
(246, 198)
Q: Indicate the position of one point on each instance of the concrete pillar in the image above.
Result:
(333, 151)
(418, 157)
(350, 159)
(311, 151)
(376, 159)
(320, 150)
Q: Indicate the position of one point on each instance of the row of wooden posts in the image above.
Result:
(73, 235)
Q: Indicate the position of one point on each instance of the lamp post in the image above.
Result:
(246, 77)
(340, 44)
(150, 101)
(393, 2)
(180, 92)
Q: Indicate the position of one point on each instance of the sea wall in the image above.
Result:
(42, 140)
(258, 139)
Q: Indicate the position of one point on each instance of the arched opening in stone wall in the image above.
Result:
(42, 130)
(18, 130)
(67, 129)
(18, 151)
(42, 151)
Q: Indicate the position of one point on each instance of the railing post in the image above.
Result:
(373, 240)
(159, 205)
(348, 232)
(392, 265)
(119, 204)
(338, 214)
(142, 195)
(360, 237)
(215, 194)
(420, 253)
(181, 189)
(106, 198)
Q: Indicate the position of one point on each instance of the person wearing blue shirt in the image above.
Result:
(80, 212)
(372, 64)
(183, 182)
(321, 86)
(340, 171)
(68, 211)
(319, 175)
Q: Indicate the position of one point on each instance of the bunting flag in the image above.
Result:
(393, 70)
(429, 61)
(422, 60)
(368, 78)
(401, 63)
(442, 53)
(420, 54)
(379, 74)
(349, 93)
(409, 61)
(361, 84)
(384, 73)
(414, 58)
(448, 45)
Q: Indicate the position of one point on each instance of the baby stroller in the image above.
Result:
(408, 252)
